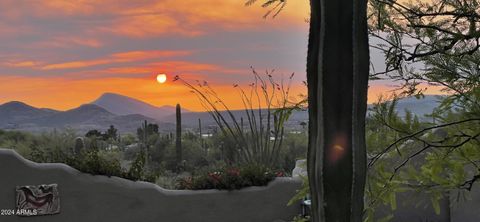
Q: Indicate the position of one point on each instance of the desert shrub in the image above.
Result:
(256, 175)
(128, 139)
(93, 163)
(51, 147)
(131, 152)
(267, 106)
(138, 171)
(295, 147)
(57, 147)
(167, 180)
(230, 178)
(158, 155)
(193, 155)
(108, 163)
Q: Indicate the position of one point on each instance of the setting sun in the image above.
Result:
(161, 78)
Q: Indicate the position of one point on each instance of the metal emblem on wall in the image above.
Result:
(38, 200)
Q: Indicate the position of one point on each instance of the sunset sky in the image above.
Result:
(60, 54)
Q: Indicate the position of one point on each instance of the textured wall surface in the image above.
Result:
(84, 197)
(459, 207)
(412, 207)
(466, 206)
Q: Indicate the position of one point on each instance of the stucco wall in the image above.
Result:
(459, 206)
(413, 207)
(84, 197)
(466, 206)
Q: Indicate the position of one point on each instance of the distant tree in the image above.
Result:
(150, 129)
(303, 124)
(153, 128)
(112, 133)
(93, 133)
(128, 139)
(141, 134)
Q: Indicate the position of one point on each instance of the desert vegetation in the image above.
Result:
(151, 156)
(386, 153)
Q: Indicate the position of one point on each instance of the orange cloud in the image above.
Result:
(184, 66)
(142, 55)
(76, 64)
(48, 9)
(70, 41)
(22, 64)
(156, 18)
(148, 25)
(7, 30)
(70, 7)
(116, 58)
(192, 18)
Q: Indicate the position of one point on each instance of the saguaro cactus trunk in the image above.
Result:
(200, 135)
(337, 75)
(178, 144)
(145, 140)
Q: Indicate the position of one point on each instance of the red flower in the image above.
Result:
(233, 172)
(215, 177)
(280, 174)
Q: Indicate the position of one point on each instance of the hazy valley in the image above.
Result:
(127, 114)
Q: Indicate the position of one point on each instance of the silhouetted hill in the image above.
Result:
(15, 112)
(20, 116)
(124, 105)
(419, 107)
(85, 114)
(190, 119)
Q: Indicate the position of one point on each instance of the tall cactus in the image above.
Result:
(200, 132)
(145, 140)
(200, 128)
(337, 75)
(178, 144)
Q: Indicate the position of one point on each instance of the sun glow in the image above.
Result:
(161, 78)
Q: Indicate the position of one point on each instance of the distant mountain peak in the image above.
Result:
(124, 105)
(109, 96)
(16, 103)
(90, 106)
(112, 95)
(17, 106)
(15, 111)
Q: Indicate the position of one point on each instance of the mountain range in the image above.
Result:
(127, 114)
(419, 107)
(100, 114)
